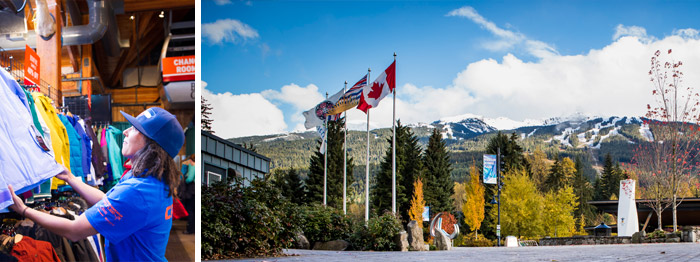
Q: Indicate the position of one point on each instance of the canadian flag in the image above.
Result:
(377, 90)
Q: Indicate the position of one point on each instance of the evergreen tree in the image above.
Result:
(334, 179)
(294, 188)
(206, 122)
(584, 192)
(561, 174)
(608, 183)
(408, 169)
(439, 186)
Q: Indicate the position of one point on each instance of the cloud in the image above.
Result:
(222, 2)
(507, 40)
(243, 115)
(228, 30)
(611, 81)
(634, 31)
(604, 82)
(687, 33)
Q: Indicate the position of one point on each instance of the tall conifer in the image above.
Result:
(439, 185)
(334, 183)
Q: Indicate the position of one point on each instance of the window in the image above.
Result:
(228, 153)
(213, 177)
(236, 156)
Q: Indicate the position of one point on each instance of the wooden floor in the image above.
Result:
(180, 246)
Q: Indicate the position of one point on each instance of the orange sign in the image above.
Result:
(31, 67)
(180, 68)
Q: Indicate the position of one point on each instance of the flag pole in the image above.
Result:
(325, 156)
(367, 167)
(345, 156)
(393, 152)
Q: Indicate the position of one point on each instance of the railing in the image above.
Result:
(527, 243)
(16, 69)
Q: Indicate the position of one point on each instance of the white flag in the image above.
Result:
(316, 116)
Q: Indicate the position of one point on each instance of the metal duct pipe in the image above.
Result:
(112, 41)
(73, 35)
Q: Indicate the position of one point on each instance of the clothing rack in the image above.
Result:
(16, 69)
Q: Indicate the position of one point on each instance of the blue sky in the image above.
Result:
(263, 63)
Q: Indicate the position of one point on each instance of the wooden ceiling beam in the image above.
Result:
(150, 33)
(156, 5)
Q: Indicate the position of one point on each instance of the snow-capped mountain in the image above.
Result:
(589, 130)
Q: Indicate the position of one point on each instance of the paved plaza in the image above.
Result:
(631, 252)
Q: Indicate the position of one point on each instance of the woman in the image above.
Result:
(135, 216)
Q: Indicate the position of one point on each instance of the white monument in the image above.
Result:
(627, 222)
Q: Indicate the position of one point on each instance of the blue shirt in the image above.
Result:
(135, 217)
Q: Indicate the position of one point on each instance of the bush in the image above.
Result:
(656, 234)
(378, 234)
(468, 240)
(245, 221)
(321, 224)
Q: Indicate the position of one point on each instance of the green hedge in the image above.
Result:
(238, 222)
(322, 224)
(378, 234)
(256, 221)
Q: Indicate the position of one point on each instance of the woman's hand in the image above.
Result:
(19, 205)
(65, 175)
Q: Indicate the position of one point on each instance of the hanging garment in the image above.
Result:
(85, 148)
(44, 190)
(25, 159)
(138, 219)
(90, 172)
(59, 136)
(98, 160)
(115, 154)
(76, 154)
(31, 250)
(32, 109)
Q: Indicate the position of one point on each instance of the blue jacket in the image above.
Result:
(76, 154)
(25, 159)
(86, 148)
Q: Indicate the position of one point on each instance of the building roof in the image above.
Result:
(234, 145)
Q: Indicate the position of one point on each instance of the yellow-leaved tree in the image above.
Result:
(559, 207)
(473, 207)
(417, 203)
(521, 206)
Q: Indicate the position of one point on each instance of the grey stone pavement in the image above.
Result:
(622, 252)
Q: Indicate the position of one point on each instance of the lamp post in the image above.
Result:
(498, 182)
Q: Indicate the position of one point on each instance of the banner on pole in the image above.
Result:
(490, 169)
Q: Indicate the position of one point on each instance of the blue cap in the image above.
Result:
(161, 126)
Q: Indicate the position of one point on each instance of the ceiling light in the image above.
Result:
(162, 14)
(131, 17)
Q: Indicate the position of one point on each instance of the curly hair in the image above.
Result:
(152, 160)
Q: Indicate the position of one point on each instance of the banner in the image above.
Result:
(31, 67)
(490, 169)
